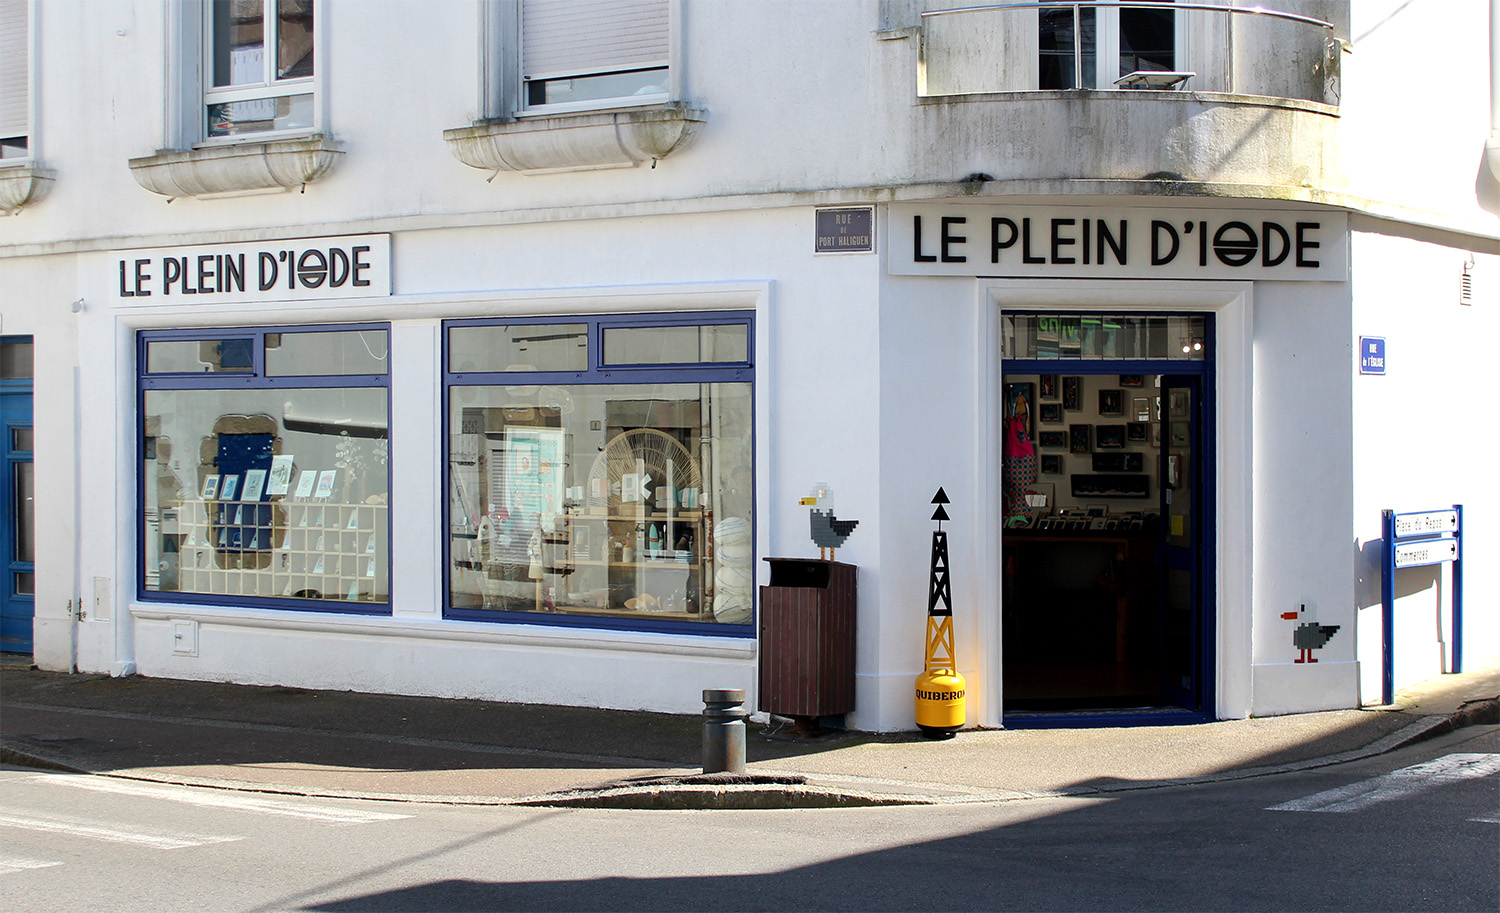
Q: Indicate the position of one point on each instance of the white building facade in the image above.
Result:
(485, 348)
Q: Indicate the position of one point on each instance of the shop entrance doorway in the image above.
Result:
(1107, 549)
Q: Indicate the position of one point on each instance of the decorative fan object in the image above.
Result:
(617, 472)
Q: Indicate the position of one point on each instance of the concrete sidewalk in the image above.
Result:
(345, 744)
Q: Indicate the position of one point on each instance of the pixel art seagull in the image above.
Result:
(828, 531)
(1308, 635)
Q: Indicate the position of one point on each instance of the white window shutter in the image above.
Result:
(14, 68)
(577, 37)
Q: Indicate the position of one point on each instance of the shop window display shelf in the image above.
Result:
(317, 549)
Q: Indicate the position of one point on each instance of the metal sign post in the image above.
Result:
(1415, 540)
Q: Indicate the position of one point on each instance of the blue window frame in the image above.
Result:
(599, 471)
(265, 468)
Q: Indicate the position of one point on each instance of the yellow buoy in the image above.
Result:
(941, 708)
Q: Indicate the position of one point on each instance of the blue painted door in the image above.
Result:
(17, 533)
(1182, 551)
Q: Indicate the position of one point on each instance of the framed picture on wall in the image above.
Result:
(1072, 394)
(1053, 438)
(1109, 462)
(1051, 413)
(1047, 386)
(1111, 402)
(1136, 432)
(1132, 380)
(1052, 464)
(1079, 438)
(1141, 406)
(1109, 437)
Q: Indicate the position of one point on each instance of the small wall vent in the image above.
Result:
(1466, 283)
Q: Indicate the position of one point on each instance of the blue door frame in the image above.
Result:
(17, 591)
(1196, 697)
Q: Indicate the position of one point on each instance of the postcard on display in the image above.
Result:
(210, 488)
(231, 485)
(306, 481)
(255, 483)
(325, 483)
(281, 474)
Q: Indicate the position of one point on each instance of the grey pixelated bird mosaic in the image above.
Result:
(1308, 635)
(828, 531)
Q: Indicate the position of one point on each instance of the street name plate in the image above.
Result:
(845, 231)
(1428, 523)
(1434, 551)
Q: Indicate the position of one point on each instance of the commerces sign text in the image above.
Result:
(309, 269)
(1082, 242)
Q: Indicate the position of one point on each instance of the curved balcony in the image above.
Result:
(1203, 95)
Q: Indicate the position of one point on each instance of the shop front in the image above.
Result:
(1126, 366)
(543, 496)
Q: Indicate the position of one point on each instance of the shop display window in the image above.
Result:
(265, 476)
(586, 489)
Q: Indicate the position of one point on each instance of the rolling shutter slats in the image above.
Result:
(567, 37)
(14, 68)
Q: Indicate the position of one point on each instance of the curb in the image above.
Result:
(770, 790)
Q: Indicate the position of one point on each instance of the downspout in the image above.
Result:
(1492, 147)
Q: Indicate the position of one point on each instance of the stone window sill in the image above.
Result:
(238, 168)
(22, 185)
(577, 142)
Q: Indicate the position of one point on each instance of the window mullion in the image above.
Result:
(268, 42)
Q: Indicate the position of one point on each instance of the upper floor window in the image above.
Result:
(1086, 46)
(15, 80)
(258, 67)
(585, 54)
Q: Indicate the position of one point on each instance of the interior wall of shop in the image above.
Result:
(817, 420)
(1421, 441)
(35, 301)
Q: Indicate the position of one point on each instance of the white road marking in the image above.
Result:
(1397, 784)
(77, 827)
(1486, 819)
(211, 798)
(10, 864)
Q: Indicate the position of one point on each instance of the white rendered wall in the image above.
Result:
(817, 335)
(1421, 442)
(1303, 460)
(35, 301)
(1412, 139)
(863, 136)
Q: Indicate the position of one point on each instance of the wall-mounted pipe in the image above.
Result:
(1492, 147)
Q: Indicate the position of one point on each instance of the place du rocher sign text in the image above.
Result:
(1081, 242)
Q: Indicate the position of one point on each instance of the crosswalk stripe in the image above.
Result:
(9, 864)
(1397, 784)
(220, 799)
(79, 828)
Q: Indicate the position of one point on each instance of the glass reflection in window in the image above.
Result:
(616, 500)
(267, 493)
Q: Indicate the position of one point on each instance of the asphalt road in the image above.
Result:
(1417, 829)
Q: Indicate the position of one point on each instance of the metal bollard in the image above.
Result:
(724, 730)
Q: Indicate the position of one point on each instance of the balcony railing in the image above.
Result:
(1283, 72)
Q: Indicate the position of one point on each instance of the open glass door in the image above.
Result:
(1181, 555)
